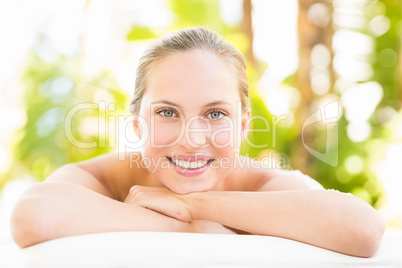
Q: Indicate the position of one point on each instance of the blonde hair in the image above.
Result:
(186, 40)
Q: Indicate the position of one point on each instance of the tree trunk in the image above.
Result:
(247, 29)
(309, 35)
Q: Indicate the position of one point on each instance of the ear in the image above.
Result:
(137, 126)
(245, 124)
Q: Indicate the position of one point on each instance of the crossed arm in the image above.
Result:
(327, 219)
(323, 218)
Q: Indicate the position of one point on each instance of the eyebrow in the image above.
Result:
(219, 102)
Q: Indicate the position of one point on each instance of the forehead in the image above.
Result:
(192, 78)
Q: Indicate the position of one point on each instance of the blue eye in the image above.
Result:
(168, 113)
(216, 114)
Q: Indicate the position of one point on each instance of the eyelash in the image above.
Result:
(165, 109)
(217, 110)
(174, 111)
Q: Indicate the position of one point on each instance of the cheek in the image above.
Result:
(225, 135)
(222, 139)
(226, 160)
(165, 134)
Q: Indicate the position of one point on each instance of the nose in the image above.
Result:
(197, 132)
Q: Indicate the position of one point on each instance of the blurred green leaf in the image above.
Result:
(140, 33)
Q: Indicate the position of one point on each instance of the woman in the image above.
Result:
(190, 112)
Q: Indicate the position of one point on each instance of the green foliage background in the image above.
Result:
(41, 145)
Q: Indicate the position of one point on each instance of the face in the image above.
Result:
(190, 121)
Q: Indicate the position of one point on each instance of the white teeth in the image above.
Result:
(181, 163)
(188, 164)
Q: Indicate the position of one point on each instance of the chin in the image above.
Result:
(188, 189)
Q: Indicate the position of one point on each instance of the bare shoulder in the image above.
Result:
(251, 174)
(247, 175)
(118, 172)
(284, 180)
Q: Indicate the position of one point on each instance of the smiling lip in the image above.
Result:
(191, 158)
(190, 172)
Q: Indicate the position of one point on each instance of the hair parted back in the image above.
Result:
(194, 38)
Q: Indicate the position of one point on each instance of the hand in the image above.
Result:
(160, 200)
(209, 227)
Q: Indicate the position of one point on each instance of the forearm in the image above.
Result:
(52, 210)
(326, 219)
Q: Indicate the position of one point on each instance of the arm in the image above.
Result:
(88, 198)
(285, 204)
(290, 204)
(327, 219)
(50, 210)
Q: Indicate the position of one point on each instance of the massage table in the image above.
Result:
(164, 249)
